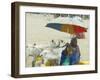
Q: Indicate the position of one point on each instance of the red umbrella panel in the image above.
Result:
(79, 29)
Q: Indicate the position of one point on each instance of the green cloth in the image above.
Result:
(66, 61)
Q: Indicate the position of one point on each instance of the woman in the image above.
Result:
(75, 56)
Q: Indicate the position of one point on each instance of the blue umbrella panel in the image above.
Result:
(62, 27)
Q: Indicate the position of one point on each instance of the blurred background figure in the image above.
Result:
(53, 44)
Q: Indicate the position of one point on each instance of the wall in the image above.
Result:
(5, 40)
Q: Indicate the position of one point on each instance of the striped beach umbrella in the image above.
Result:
(68, 28)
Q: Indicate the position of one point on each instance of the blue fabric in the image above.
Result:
(56, 26)
(64, 59)
(74, 57)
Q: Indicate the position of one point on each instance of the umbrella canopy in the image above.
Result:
(69, 28)
(71, 20)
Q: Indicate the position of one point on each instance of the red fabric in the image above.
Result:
(79, 29)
